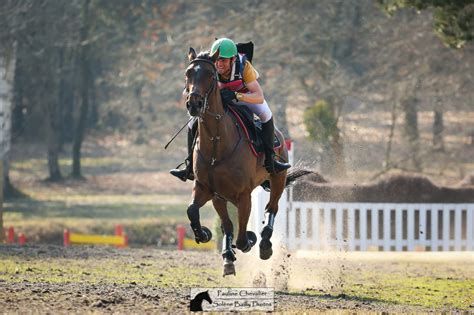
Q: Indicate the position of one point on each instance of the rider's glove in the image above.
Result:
(228, 96)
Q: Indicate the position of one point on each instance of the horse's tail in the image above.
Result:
(291, 177)
(296, 173)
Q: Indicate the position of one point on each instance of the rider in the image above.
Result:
(238, 78)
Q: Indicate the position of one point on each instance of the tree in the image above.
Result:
(438, 126)
(321, 124)
(453, 19)
(7, 69)
(409, 107)
(84, 60)
(57, 40)
(8, 51)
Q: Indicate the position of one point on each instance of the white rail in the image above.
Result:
(366, 226)
(380, 226)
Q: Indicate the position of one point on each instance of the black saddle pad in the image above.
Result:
(253, 124)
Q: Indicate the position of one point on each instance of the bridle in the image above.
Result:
(205, 108)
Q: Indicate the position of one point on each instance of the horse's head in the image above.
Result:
(207, 297)
(201, 78)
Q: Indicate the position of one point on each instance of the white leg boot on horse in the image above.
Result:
(268, 136)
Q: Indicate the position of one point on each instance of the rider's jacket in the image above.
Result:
(242, 73)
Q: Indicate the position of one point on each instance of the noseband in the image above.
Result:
(205, 108)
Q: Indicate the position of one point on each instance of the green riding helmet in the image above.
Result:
(227, 48)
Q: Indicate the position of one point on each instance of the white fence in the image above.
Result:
(367, 226)
(377, 226)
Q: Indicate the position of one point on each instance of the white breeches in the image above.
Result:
(261, 110)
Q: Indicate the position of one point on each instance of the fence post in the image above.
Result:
(66, 238)
(181, 231)
(21, 239)
(11, 235)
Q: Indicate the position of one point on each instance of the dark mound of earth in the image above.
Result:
(394, 188)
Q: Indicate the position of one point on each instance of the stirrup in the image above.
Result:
(183, 174)
(276, 166)
(280, 166)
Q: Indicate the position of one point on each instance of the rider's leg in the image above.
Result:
(268, 136)
(187, 172)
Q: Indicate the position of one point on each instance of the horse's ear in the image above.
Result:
(215, 55)
(191, 54)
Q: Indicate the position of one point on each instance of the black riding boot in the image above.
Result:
(268, 135)
(187, 172)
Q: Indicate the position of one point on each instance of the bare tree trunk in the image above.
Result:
(66, 95)
(53, 114)
(388, 152)
(85, 78)
(410, 109)
(53, 128)
(336, 141)
(338, 149)
(7, 71)
(438, 127)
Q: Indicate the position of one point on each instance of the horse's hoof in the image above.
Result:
(266, 250)
(251, 241)
(206, 235)
(229, 269)
(267, 232)
(252, 238)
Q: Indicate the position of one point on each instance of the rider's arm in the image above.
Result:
(255, 93)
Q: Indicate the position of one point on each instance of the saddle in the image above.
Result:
(252, 128)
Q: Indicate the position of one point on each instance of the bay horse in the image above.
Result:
(224, 166)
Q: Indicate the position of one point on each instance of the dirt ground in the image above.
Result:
(53, 279)
(46, 278)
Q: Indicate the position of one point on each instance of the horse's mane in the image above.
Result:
(204, 55)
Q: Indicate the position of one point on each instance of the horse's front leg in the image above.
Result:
(228, 254)
(277, 184)
(245, 239)
(201, 195)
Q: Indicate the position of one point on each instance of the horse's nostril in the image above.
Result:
(200, 103)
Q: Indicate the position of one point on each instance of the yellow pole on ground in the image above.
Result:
(191, 244)
(96, 239)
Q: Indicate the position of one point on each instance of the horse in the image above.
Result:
(196, 304)
(224, 166)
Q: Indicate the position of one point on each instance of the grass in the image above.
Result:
(99, 270)
(147, 220)
(149, 215)
(436, 284)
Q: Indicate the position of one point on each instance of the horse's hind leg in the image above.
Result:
(277, 183)
(227, 252)
(245, 239)
(200, 196)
